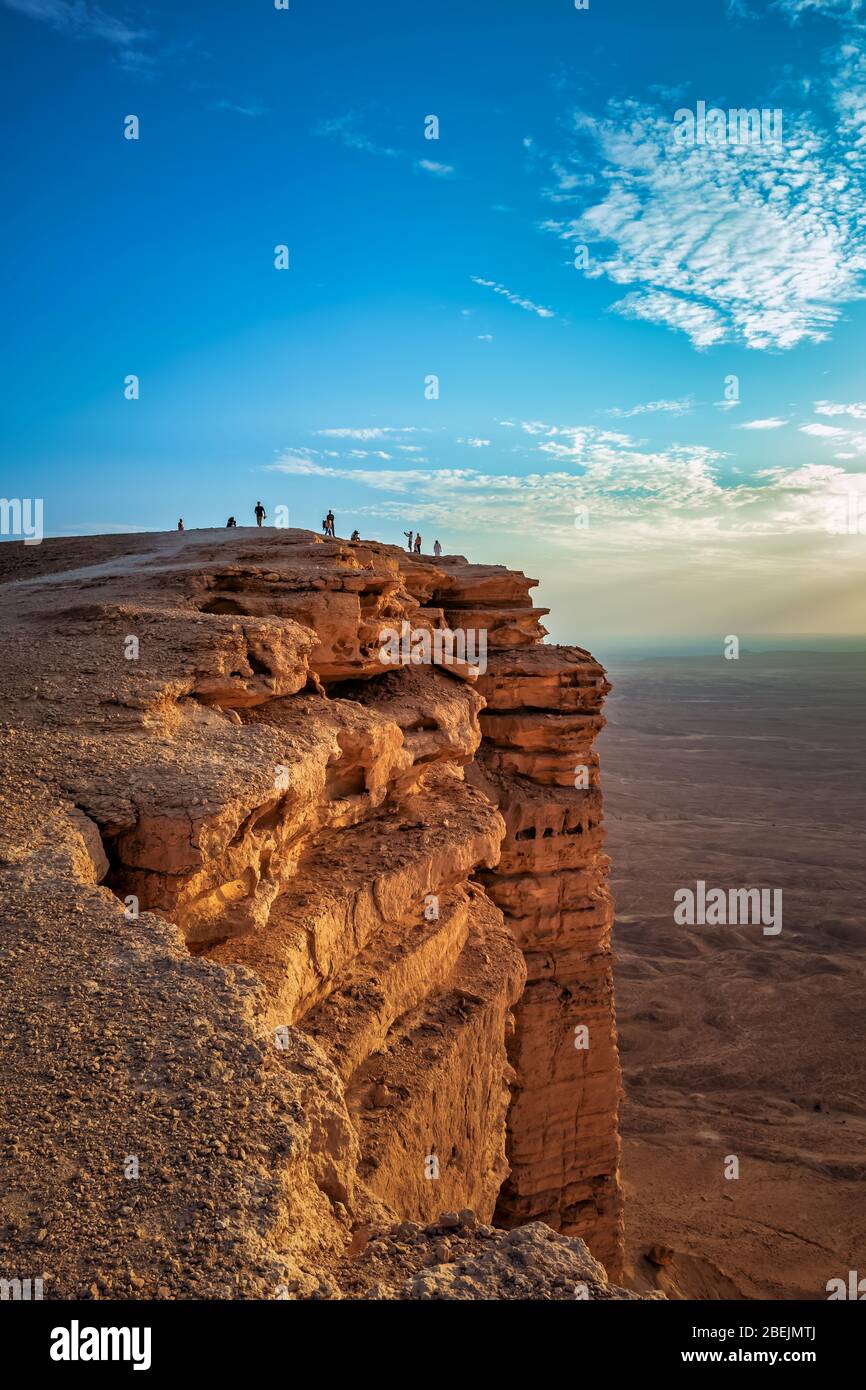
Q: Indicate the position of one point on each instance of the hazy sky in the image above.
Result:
(587, 428)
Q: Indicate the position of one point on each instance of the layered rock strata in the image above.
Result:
(264, 935)
(537, 763)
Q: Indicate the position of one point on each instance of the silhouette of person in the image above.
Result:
(409, 535)
(330, 521)
(231, 522)
(180, 524)
(418, 543)
(437, 549)
(355, 536)
(260, 513)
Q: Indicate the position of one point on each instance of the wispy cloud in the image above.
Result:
(345, 130)
(762, 244)
(849, 443)
(640, 501)
(512, 298)
(680, 407)
(140, 51)
(80, 18)
(796, 9)
(771, 423)
(368, 431)
(251, 109)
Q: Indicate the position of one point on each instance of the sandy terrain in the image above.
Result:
(733, 1042)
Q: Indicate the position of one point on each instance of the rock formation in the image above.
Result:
(298, 944)
(536, 763)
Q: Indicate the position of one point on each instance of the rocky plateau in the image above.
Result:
(306, 981)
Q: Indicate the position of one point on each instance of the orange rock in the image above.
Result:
(338, 925)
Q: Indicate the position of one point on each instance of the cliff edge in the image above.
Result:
(306, 983)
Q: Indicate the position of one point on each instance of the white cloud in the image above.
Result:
(578, 434)
(796, 8)
(527, 304)
(431, 166)
(847, 87)
(475, 443)
(485, 337)
(674, 500)
(703, 324)
(771, 423)
(680, 407)
(568, 182)
(824, 431)
(368, 431)
(761, 244)
(857, 410)
(854, 443)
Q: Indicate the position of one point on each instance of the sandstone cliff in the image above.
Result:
(297, 946)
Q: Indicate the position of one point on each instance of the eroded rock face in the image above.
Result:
(537, 764)
(333, 886)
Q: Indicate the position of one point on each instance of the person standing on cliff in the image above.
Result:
(409, 535)
(437, 549)
(180, 524)
(260, 513)
(330, 521)
(418, 543)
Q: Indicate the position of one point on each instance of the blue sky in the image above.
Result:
(598, 389)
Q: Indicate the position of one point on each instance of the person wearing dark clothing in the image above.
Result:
(180, 524)
(355, 536)
(330, 523)
(231, 522)
(260, 513)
